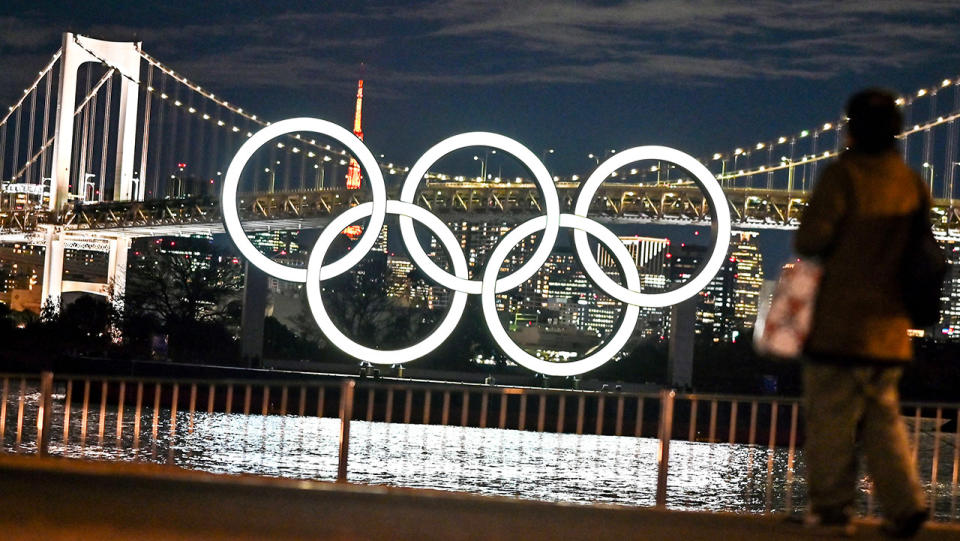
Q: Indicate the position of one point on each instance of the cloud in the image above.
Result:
(772, 39)
(486, 43)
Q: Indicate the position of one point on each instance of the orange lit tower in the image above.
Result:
(353, 171)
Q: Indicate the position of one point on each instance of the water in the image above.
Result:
(538, 466)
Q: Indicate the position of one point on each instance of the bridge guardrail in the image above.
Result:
(147, 418)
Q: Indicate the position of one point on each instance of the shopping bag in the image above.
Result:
(783, 325)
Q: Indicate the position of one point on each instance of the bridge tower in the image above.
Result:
(125, 58)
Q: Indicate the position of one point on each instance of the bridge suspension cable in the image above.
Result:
(31, 88)
(211, 113)
(16, 114)
(182, 123)
(739, 169)
(48, 140)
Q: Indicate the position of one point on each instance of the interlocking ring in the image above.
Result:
(719, 218)
(489, 305)
(230, 212)
(489, 284)
(315, 274)
(550, 201)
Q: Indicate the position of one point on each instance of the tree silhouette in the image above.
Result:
(191, 295)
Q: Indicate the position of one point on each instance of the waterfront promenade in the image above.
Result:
(61, 499)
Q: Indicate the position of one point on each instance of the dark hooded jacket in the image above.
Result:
(857, 224)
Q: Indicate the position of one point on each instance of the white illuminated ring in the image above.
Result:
(228, 199)
(551, 205)
(720, 226)
(489, 305)
(316, 273)
(489, 284)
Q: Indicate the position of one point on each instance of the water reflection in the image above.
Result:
(538, 466)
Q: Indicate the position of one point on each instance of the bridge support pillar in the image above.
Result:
(254, 311)
(54, 285)
(117, 268)
(52, 270)
(683, 317)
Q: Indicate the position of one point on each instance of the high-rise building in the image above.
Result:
(649, 254)
(715, 310)
(651, 257)
(949, 327)
(21, 266)
(195, 248)
(381, 244)
(748, 278)
(477, 240)
(407, 291)
(275, 243)
(563, 291)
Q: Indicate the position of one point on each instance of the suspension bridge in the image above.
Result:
(108, 144)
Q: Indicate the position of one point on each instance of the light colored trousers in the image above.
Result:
(847, 405)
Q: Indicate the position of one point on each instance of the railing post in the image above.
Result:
(43, 416)
(346, 413)
(665, 433)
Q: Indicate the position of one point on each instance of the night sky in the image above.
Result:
(579, 77)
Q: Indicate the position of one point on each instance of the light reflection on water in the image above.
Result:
(538, 466)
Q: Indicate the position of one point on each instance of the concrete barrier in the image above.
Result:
(59, 499)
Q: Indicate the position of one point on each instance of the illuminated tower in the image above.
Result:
(353, 172)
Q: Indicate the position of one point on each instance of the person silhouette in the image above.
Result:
(858, 224)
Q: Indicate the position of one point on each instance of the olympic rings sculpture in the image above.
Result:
(490, 283)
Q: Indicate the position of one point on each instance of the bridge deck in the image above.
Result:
(61, 499)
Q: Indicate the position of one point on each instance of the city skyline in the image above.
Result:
(524, 249)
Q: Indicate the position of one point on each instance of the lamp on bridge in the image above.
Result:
(322, 171)
(790, 164)
(483, 167)
(273, 178)
(483, 163)
(597, 157)
(723, 165)
(87, 183)
(929, 166)
(546, 152)
(953, 167)
(46, 181)
(736, 156)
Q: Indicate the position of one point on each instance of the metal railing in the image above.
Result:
(150, 419)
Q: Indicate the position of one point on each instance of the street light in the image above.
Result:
(88, 183)
(273, 178)
(927, 165)
(483, 163)
(543, 155)
(135, 181)
(723, 164)
(736, 156)
(483, 166)
(322, 171)
(953, 167)
(43, 181)
(790, 164)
